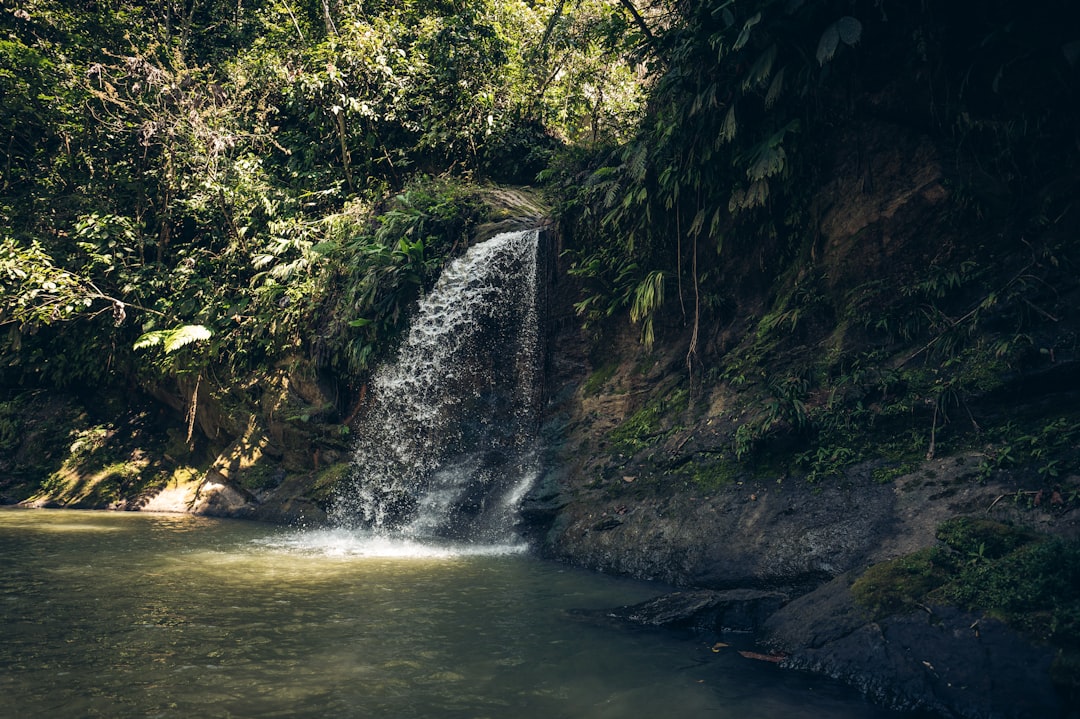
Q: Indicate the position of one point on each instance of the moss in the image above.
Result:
(259, 475)
(327, 480)
(986, 566)
(57, 483)
(35, 432)
(889, 472)
(902, 584)
(185, 474)
(649, 424)
(982, 538)
(709, 474)
(74, 485)
(599, 378)
(1065, 672)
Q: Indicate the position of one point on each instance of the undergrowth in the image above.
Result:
(651, 424)
(1009, 573)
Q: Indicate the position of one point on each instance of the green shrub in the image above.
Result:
(1033, 587)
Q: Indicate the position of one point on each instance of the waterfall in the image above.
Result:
(448, 447)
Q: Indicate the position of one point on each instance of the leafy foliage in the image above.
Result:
(717, 192)
(219, 166)
(982, 565)
(172, 340)
(384, 264)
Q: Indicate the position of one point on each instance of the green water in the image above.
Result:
(132, 615)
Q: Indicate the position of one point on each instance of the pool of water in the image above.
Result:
(134, 615)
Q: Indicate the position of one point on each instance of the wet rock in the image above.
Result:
(606, 523)
(784, 537)
(937, 659)
(293, 511)
(738, 610)
(217, 498)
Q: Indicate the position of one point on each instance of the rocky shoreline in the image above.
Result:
(777, 558)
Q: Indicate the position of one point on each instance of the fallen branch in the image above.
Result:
(1017, 493)
(968, 315)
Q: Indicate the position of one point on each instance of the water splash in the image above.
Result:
(448, 446)
(350, 544)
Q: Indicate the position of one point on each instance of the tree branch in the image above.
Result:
(640, 22)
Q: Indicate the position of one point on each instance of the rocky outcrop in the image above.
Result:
(757, 543)
(786, 534)
(937, 658)
(270, 450)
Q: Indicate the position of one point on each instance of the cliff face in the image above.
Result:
(719, 479)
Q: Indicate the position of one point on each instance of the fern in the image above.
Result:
(173, 339)
(729, 128)
(775, 88)
(846, 29)
(648, 297)
(744, 36)
(761, 70)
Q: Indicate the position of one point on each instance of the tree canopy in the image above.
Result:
(186, 176)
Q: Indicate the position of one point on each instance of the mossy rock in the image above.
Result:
(598, 379)
(1065, 673)
(260, 476)
(327, 480)
(986, 566)
(651, 424)
(982, 538)
(902, 584)
(710, 474)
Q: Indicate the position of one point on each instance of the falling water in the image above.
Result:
(448, 446)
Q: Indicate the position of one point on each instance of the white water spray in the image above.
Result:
(448, 446)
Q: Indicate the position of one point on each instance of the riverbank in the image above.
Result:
(923, 582)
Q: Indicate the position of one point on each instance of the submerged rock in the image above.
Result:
(736, 610)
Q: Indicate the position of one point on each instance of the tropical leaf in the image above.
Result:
(186, 335)
(775, 88)
(847, 29)
(768, 162)
(150, 339)
(761, 69)
(826, 48)
(744, 36)
(850, 30)
(727, 131)
(173, 339)
(647, 298)
(639, 162)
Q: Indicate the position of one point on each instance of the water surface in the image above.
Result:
(134, 615)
